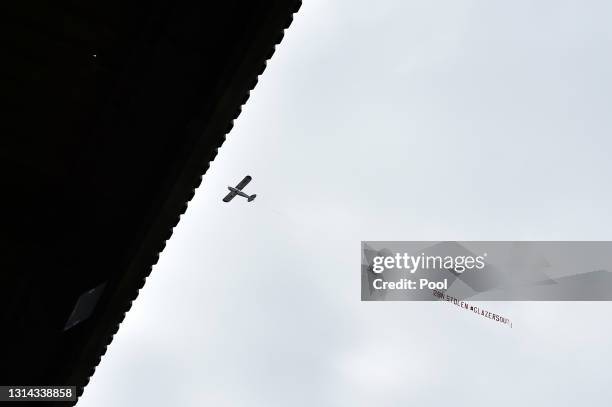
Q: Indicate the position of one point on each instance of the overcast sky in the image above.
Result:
(387, 120)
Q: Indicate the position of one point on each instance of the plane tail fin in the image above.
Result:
(252, 197)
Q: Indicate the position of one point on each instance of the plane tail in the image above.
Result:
(252, 197)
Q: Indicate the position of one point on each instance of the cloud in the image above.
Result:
(401, 120)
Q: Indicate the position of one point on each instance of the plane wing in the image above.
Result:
(243, 183)
(229, 197)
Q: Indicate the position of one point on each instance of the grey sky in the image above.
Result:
(388, 120)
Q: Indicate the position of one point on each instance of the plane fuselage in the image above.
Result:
(238, 192)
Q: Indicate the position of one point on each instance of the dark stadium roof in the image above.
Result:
(116, 108)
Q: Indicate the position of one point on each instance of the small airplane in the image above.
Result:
(238, 190)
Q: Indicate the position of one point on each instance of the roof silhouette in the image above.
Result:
(116, 109)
